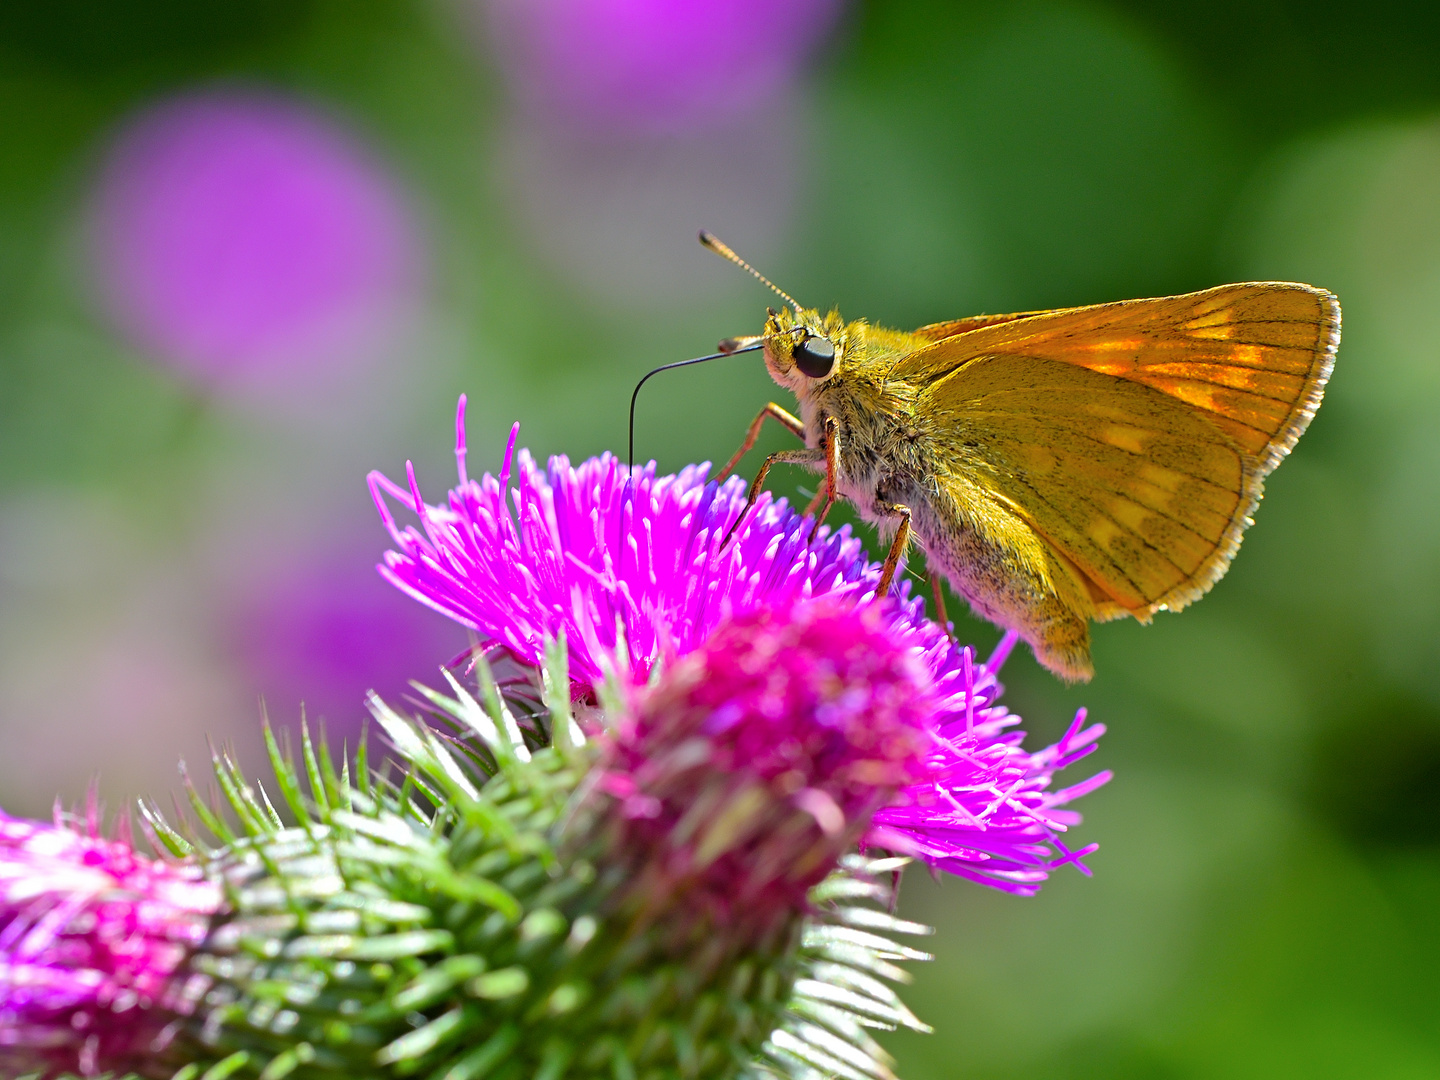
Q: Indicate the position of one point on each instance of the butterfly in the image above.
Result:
(1055, 467)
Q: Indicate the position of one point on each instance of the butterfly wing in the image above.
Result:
(1134, 437)
(940, 330)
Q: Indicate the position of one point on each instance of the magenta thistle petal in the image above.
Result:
(985, 812)
(635, 565)
(91, 934)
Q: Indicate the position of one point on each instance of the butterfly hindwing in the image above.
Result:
(1134, 437)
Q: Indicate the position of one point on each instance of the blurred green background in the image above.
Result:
(184, 526)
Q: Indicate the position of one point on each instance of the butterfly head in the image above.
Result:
(803, 348)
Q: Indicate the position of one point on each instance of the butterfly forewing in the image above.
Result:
(941, 330)
(1135, 436)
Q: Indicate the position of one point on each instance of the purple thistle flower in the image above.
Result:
(635, 566)
(91, 934)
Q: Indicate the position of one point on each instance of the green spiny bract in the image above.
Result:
(461, 921)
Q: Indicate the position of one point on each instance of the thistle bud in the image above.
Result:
(756, 761)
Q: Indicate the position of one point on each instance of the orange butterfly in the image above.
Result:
(1056, 466)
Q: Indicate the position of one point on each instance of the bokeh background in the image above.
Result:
(250, 250)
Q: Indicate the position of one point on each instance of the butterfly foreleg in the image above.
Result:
(897, 549)
(937, 585)
(806, 456)
(794, 423)
(830, 444)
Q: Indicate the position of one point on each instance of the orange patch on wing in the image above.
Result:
(1125, 437)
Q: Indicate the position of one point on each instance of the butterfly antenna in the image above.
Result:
(719, 247)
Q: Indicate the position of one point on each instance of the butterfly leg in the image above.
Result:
(937, 585)
(831, 446)
(897, 549)
(784, 457)
(794, 423)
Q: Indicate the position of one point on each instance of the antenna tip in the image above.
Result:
(712, 242)
(719, 247)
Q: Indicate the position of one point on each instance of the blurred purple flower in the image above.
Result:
(653, 65)
(240, 236)
(601, 560)
(317, 629)
(91, 934)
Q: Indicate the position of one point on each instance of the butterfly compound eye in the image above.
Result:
(815, 356)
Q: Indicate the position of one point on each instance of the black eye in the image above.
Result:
(815, 356)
